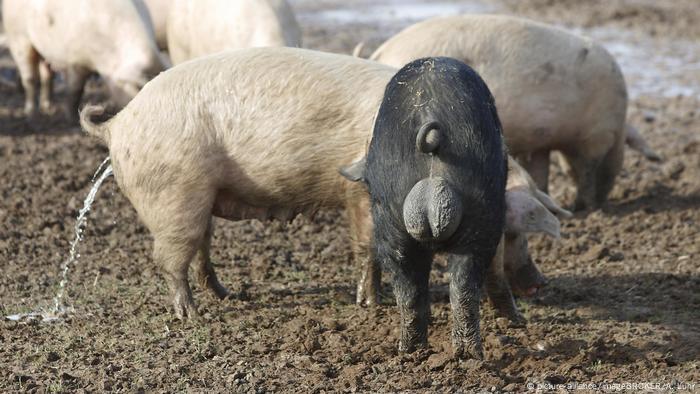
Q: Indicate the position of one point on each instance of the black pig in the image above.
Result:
(436, 172)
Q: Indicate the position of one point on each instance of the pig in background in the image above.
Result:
(201, 27)
(79, 37)
(248, 140)
(555, 92)
(529, 211)
(158, 14)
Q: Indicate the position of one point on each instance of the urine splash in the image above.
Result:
(79, 229)
(59, 308)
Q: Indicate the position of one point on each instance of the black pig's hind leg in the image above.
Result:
(465, 294)
(410, 264)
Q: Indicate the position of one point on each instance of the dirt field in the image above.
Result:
(622, 304)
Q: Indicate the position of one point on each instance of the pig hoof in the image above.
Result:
(410, 345)
(467, 349)
(517, 320)
(186, 312)
(368, 289)
(583, 205)
(185, 307)
(512, 315)
(407, 347)
(366, 300)
(531, 292)
(30, 111)
(207, 279)
(46, 108)
(220, 291)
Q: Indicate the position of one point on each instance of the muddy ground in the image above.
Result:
(622, 304)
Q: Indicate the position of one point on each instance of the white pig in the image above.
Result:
(201, 27)
(248, 134)
(158, 11)
(554, 91)
(80, 37)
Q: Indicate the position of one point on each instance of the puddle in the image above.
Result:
(652, 66)
(44, 316)
(659, 67)
(391, 13)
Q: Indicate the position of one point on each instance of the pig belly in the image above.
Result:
(540, 121)
(228, 206)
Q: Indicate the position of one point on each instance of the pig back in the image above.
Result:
(101, 35)
(202, 27)
(548, 84)
(14, 18)
(266, 127)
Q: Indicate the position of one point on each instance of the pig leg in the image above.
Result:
(370, 280)
(206, 277)
(178, 225)
(410, 265)
(498, 289)
(465, 295)
(27, 60)
(174, 255)
(76, 77)
(361, 232)
(411, 289)
(608, 170)
(46, 78)
(585, 171)
(538, 167)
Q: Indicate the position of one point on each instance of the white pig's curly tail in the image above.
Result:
(90, 127)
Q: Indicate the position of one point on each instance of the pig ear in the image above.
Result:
(355, 172)
(524, 213)
(552, 205)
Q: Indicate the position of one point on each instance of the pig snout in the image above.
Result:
(432, 210)
(527, 280)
